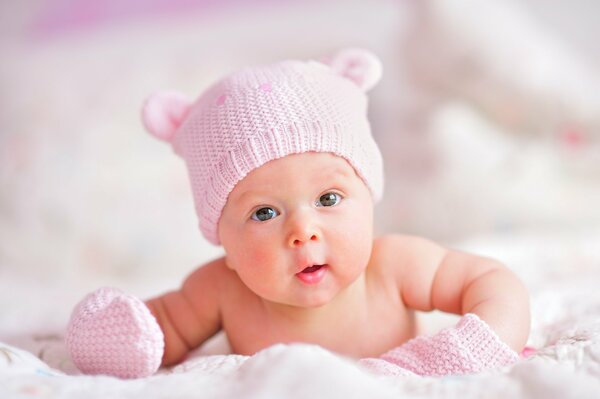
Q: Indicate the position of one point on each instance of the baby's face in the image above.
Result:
(299, 229)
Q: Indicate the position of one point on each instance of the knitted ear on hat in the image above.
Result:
(360, 66)
(163, 113)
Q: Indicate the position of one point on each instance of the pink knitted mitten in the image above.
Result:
(114, 333)
(469, 347)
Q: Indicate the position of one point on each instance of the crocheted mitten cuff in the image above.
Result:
(469, 347)
(115, 334)
(383, 367)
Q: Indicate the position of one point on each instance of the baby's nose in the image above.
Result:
(298, 241)
(302, 230)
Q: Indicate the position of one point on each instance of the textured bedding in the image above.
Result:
(563, 359)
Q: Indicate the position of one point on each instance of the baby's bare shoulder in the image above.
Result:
(210, 283)
(397, 250)
(395, 256)
(406, 264)
(212, 275)
(215, 282)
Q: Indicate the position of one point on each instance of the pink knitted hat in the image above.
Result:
(259, 114)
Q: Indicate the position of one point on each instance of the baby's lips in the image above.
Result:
(306, 263)
(312, 268)
(312, 275)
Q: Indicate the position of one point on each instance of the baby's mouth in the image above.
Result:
(312, 274)
(312, 268)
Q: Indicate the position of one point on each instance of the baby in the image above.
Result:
(285, 173)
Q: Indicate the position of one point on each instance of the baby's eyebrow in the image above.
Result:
(338, 171)
(245, 196)
(331, 174)
(249, 196)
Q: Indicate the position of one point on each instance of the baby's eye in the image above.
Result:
(264, 214)
(329, 199)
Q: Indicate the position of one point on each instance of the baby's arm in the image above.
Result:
(433, 277)
(189, 316)
(114, 333)
(494, 303)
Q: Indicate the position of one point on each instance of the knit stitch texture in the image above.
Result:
(115, 334)
(259, 114)
(469, 347)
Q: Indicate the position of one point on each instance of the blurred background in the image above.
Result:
(488, 117)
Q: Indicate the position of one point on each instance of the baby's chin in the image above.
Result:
(314, 303)
(322, 295)
(306, 301)
(313, 300)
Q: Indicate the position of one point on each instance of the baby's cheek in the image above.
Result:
(258, 256)
(356, 239)
(359, 218)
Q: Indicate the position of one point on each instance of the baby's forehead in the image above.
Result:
(293, 169)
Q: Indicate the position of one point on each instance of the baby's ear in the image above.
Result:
(360, 66)
(163, 113)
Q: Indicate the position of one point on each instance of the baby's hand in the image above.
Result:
(114, 333)
(469, 347)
